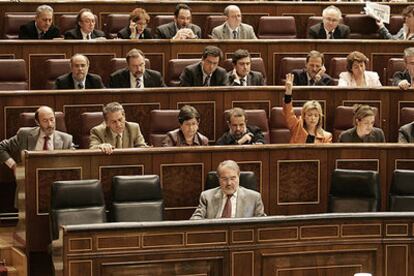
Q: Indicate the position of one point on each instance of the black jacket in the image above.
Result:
(229, 139)
(122, 79)
(65, 81)
(29, 31)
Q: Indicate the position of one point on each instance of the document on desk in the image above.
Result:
(378, 11)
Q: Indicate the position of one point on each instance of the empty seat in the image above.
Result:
(176, 67)
(27, 119)
(114, 22)
(12, 23)
(13, 74)
(257, 64)
(337, 65)
(161, 20)
(287, 64)
(162, 121)
(396, 23)
(394, 65)
(136, 198)
(88, 121)
(277, 27)
(258, 117)
(76, 202)
(362, 26)
(406, 115)
(53, 69)
(354, 191)
(279, 132)
(247, 180)
(68, 21)
(212, 21)
(401, 197)
(119, 63)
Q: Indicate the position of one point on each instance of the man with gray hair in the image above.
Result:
(229, 200)
(404, 79)
(330, 27)
(42, 27)
(233, 28)
(115, 131)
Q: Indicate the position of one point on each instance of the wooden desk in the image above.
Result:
(330, 244)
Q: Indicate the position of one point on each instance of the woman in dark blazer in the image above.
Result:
(137, 28)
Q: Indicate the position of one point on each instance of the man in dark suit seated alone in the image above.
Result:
(242, 75)
(181, 27)
(207, 72)
(79, 78)
(314, 71)
(135, 75)
(42, 27)
(85, 29)
(329, 28)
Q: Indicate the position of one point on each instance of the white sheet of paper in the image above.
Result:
(378, 11)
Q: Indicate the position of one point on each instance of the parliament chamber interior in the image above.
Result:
(332, 208)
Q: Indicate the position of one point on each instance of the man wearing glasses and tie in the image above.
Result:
(329, 28)
(229, 200)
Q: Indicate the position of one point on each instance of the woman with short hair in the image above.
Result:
(137, 28)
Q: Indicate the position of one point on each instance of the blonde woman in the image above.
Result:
(363, 130)
(308, 127)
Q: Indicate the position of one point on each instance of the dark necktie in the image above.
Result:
(312, 82)
(227, 208)
(138, 83)
(241, 82)
(80, 85)
(330, 35)
(206, 81)
(88, 36)
(42, 35)
(234, 34)
(45, 143)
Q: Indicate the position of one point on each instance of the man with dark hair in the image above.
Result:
(330, 28)
(79, 78)
(85, 28)
(239, 132)
(314, 71)
(181, 27)
(115, 131)
(242, 75)
(135, 75)
(233, 28)
(404, 79)
(207, 72)
(42, 27)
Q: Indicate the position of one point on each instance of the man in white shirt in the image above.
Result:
(85, 29)
(233, 28)
(229, 200)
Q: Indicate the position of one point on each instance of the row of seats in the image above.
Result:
(270, 27)
(13, 75)
(274, 128)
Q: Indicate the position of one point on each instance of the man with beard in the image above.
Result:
(239, 132)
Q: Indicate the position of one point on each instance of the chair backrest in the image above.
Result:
(53, 69)
(401, 197)
(257, 64)
(13, 74)
(176, 67)
(114, 22)
(88, 121)
(406, 115)
(337, 65)
(162, 121)
(136, 198)
(394, 65)
(247, 180)
(362, 26)
(12, 23)
(354, 191)
(344, 119)
(287, 64)
(159, 20)
(76, 202)
(396, 23)
(27, 119)
(258, 117)
(212, 21)
(68, 21)
(279, 132)
(277, 27)
(119, 63)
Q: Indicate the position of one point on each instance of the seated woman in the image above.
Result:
(363, 130)
(357, 76)
(187, 134)
(137, 29)
(308, 127)
(407, 30)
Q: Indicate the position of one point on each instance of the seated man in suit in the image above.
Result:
(229, 200)
(42, 27)
(207, 72)
(242, 75)
(404, 79)
(406, 133)
(135, 75)
(239, 132)
(329, 28)
(181, 27)
(137, 28)
(233, 28)
(79, 78)
(314, 71)
(85, 28)
(42, 137)
(115, 132)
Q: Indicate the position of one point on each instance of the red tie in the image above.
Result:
(45, 144)
(227, 208)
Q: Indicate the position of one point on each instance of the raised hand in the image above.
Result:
(289, 84)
